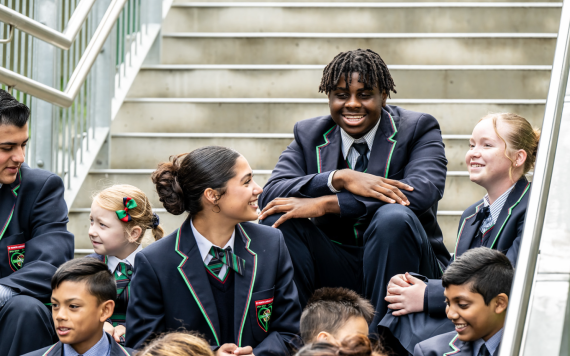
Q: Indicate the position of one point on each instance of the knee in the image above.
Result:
(25, 306)
(392, 223)
(270, 220)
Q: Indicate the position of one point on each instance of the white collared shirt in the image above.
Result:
(349, 153)
(101, 348)
(494, 208)
(204, 245)
(113, 261)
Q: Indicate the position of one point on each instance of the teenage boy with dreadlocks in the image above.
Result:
(369, 175)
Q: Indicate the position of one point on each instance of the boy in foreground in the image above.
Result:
(83, 298)
(477, 287)
(334, 313)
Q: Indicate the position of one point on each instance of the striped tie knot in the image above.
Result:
(226, 257)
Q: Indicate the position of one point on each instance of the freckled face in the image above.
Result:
(486, 160)
(356, 108)
(107, 232)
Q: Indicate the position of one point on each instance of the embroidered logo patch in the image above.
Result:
(16, 256)
(264, 308)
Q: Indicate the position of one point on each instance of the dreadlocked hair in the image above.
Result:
(371, 69)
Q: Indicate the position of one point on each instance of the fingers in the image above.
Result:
(398, 280)
(229, 348)
(400, 312)
(117, 337)
(393, 193)
(399, 184)
(247, 350)
(274, 209)
(398, 291)
(396, 306)
(412, 279)
(392, 299)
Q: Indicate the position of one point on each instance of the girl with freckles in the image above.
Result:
(502, 150)
(119, 217)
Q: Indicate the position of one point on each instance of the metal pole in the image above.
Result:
(43, 70)
(528, 253)
(103, 86)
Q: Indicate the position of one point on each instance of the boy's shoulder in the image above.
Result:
(52, 349)
(441, 344)
(266, 235)
(35, 177)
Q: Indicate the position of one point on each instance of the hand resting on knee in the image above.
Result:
(405, 294)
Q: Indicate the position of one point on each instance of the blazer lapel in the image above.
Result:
(193, 272)
(466, 233)
(514, 198)
(55, 349)
(116, 349)
(243, 284)
(329, 151)
(384, 144)
(8, 196)
(458, 347)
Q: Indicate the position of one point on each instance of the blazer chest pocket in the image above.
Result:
(261, 313)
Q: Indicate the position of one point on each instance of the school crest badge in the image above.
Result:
(16, 256)
(264, 308)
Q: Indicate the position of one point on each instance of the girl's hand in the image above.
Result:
(408, 299)
(120, 330)
(108, 328)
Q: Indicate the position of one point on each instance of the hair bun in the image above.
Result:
(169, 191)
(355, 345)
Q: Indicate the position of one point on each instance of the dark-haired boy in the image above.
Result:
(369, 175)
(477, 287)
(34, 240)
(333, 313)
(83, 298)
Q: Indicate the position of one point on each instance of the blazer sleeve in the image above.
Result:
(425, 171)
(145, 312)
(513, 252)
(436, 299)
(283, 338)
(49, 246)
(418, 350)
(290, 178)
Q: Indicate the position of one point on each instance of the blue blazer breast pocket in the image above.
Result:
(261, 312)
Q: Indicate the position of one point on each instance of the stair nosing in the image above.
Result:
(359, 35)
(411, 67)
(370, 4)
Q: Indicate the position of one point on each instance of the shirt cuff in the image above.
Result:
(6, 293)
(329, 182)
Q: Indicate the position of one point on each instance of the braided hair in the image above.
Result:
(368, 64)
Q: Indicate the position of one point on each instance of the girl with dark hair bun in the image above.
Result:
(219, 275)
(352, 345)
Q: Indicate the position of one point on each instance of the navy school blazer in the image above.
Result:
(170, 290)
(57, 349)
(34, 240)
(444, 345)
(407, 147)
(505, 236)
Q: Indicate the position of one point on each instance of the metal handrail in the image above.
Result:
(529, 249)
(62, 40)
(65, 99)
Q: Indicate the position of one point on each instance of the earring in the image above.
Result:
(219, 209)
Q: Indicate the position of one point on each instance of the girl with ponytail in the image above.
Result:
(120, 216)
(502, 150)
(218, 274)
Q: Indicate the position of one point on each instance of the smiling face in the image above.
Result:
(486, 160)
(355, 108)
(239, 203)
(78, 316)
(107, 233)
(474, 319)
(13, 141)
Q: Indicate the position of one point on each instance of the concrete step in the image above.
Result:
(79, 226)
(302, 81)
(395, 17)
(357, 3)
(400, 48)
(146, 150)
(459, 194)
(280, 115)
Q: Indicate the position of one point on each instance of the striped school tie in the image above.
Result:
(123, 274)
(226, 257)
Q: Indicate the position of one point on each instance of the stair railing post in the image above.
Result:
(42, 150)
(103, 74)
(151, 13)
